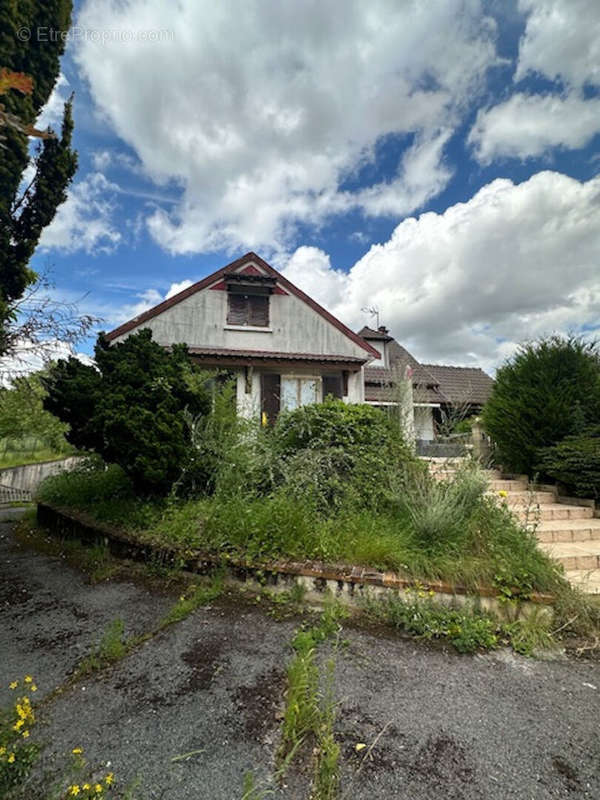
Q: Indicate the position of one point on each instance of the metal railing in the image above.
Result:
(10, 494)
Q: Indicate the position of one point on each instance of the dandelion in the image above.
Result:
(28, 679)
(74, 790)
(13, 685)
(502, 493)
(98, 788)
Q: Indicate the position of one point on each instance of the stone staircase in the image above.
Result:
(567, 531)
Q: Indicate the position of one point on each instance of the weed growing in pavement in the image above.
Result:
(112, 647)
(195, 596)
(84, 783)
(17, 753)
(310, 710)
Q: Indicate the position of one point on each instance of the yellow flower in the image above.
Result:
(74, 790)
(502, 493)
(98, 788)
(86, 786)
(2, 751)
(77, 750)
(13, 685)
(26, 734)
(33, 687)
(11, 758)
(18, 725)
(28, 679)
(109, 779)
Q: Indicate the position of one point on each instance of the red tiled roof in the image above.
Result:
(220, 273)
(462, 384)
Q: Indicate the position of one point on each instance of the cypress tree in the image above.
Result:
(25, 212)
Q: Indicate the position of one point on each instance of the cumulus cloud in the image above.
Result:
(260, 112)
(466, 286)
(561, 41)
(86, 220)
(52, 113)
(528, 125)
(28, 357)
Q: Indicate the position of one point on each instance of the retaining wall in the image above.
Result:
(347, 583)
(28, 477)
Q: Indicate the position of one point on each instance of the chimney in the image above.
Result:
(383, 329)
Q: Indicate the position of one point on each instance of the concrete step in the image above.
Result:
(552, 511)
(505, 485)
(523, 498)
(574, 555)
(568, 530)
(588, 580)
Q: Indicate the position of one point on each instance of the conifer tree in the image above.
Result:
(32, 40)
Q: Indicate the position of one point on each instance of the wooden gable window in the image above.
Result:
(248, 309)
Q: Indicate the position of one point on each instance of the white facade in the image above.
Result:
(309, 344)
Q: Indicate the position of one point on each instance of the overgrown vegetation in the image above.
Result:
(548, 391)
(17, 752)
(131, 407)
(332, 483)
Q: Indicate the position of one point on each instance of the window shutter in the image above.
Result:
(237, 309)
(258, 310)
(332, 385)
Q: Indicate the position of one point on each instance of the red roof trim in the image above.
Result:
(217, 276)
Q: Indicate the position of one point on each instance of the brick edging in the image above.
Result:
(72, 524)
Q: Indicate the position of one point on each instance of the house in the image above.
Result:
(284, 348)
(441, 395)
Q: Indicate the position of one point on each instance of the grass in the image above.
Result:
(467, 628)
(309, 714)
(468, 540)
(196, 595)
(112, 647)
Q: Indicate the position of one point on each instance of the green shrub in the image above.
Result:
(130, 407)
(337, 454)
(90, 482)
(549, 390)
(575, 462)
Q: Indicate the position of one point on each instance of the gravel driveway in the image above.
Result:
(196, 707)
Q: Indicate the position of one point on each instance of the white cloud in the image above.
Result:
(528, 125)
(52, 113)
(178, 287)
(561, 40)
(513, 262)
(85, 221)
(260, 111)
(29, 357)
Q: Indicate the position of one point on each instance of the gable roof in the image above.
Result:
(233, 267)
(462, 384)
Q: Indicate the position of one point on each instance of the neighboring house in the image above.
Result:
(441, 394)
(284, 348)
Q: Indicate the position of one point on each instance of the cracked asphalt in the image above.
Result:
(198, 706)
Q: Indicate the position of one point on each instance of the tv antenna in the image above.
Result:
(373, 311)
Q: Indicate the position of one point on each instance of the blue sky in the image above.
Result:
(438, 161)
